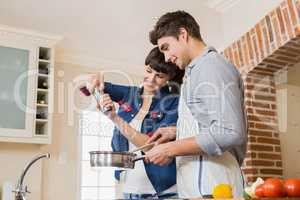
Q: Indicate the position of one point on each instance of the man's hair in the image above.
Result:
(170, 23)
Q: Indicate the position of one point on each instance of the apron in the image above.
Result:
(198, 175)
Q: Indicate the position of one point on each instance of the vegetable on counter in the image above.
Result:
(273, 188)
(222, 191)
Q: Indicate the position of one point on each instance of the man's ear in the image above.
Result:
(183, 34)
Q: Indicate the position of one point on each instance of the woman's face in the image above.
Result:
(154, 80)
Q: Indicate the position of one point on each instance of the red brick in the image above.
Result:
(261, 119)
(298, 8)
(252, 139)
(265, 126)
(287, 59)
(270, 30)
(260, 133)
(250, 171)
(260, 105)
(260, 163)
(255, 45)
(271, 171)
(245, 50)
(236, 58)
(264, 98)
(239, 49)
(275, 23)
(259, 39)
(292, 12)
(265, 35)
(281, 23)
(278, 149)
(279, 164)
(275, 62)
(248, 94)
(249, 110)
(268, 141)
(290, 48)
(258, 147)
(248, 80)
(250, 48)
(265, 112)
(264, 81)
(230, 54)
(276, 135)
(287, 53)
(287, 22)
(251, 155)
(269, 156)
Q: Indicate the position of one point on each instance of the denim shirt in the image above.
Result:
(163, 112)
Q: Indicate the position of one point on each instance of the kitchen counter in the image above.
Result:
(229, 199)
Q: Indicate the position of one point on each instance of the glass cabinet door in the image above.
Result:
(14, 88)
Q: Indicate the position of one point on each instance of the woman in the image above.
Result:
(142, 112)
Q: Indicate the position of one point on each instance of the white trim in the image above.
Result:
(221, 5)
(33, 36)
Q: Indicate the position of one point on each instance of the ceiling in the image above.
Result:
(98, 33)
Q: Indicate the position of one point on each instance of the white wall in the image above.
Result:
(288, 106)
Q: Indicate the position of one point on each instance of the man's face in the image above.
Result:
(175, 50)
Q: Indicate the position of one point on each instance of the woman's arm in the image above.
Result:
(117, 92)
(135, 137)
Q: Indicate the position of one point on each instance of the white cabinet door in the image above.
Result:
(17, 89)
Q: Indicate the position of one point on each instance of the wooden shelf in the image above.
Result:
(42, 105)
(45, 61)
(41, 120)
(43, 75)
(42, 90)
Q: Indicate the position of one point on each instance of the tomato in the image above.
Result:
(273, 187)
(259, 190)
(292, 187)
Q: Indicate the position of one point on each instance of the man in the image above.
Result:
(211, 129)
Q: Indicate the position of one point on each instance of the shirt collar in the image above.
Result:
(200, 56)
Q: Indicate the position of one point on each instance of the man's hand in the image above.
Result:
(160, 154)
(163, 135)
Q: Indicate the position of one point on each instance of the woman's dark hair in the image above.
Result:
(156, 60)
(170, 23)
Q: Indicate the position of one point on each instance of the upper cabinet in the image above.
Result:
(26, 85)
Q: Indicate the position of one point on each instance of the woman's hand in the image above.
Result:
(96, 81)
(163, 135)
(106, 102)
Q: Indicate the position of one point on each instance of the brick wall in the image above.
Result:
(271, 46)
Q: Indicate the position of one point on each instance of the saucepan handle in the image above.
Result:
(138, 158)
(143, 147)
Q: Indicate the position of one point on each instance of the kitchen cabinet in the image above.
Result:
(26, 85)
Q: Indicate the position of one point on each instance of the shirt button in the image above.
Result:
(132, 115)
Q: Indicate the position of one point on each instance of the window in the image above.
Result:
(96, 133)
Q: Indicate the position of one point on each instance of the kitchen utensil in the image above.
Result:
(116, 159)
(97, 95)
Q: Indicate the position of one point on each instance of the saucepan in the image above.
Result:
(125, 159)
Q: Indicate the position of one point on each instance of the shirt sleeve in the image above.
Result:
(116, 92)
(215, 99)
